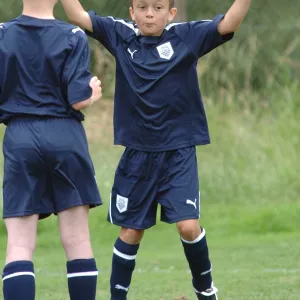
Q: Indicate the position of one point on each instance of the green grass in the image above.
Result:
(245, 266)
(250, 209)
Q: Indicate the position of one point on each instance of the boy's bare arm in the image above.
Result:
(234, 17)
(77, 15)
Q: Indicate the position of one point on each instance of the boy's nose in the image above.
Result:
(149, 13)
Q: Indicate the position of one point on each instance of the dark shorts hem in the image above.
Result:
(45, 214)
(183, 218)
(92, 205)
(131, 226)
(23, 214)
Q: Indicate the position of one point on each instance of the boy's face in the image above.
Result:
(152, 16)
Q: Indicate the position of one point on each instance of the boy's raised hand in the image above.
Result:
(77, 14)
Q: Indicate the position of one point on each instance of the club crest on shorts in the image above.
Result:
(165, 50)
(121, 203)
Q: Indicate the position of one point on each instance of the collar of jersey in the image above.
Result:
(25, 18)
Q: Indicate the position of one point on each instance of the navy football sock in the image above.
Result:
(123, 264)
(82, 279)
(19, 281)
(197, 255)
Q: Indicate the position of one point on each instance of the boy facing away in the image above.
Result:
(44, 83)
(159, 117)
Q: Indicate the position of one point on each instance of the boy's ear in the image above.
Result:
(172, 14)
(131, 12)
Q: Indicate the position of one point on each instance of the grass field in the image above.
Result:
(250, 208)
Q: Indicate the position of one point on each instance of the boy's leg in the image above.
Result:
(180, 200)
(123, 262)
(18, 274)
(133, 208)
(75, 191)
(81, 266)
(196, 251)
(24, 189)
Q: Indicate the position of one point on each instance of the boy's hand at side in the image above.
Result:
(234, 17)
(95, 84)
(77, 14)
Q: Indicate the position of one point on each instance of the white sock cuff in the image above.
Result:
(17, 274)
(82, 274)
(198, 239)
(123, 255)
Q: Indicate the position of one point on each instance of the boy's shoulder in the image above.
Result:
(4, 26)
(124, 22)
(180, 27)
(125, 28)
(72, 33)
(70, 29)
(122, 26)
(191, 30)
(184, 27)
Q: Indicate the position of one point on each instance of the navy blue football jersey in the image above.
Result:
(158, 105)
(44, 68)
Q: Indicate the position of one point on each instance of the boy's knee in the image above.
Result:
(189, 230)
(71, 240)
(131, 236)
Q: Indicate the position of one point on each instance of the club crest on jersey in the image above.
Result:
(121, 203)
(165, 50)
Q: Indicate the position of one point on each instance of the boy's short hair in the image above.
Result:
(172, 3)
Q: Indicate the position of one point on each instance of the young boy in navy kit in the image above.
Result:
(44, 84)
(159, 117)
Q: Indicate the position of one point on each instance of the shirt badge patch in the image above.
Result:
(165, 50)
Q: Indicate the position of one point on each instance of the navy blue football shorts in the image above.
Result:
(47, 167)
(145, 179)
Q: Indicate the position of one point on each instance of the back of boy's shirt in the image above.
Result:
(158, 105)
(44, 68)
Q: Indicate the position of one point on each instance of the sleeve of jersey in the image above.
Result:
(77, 74)
(103, 31)
(203, 36)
